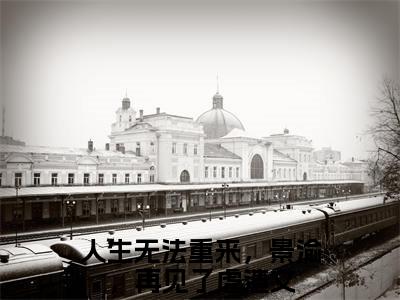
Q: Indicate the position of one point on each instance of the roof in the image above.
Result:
(217, 229)
(218, 122)
(9, 192)
(28, 260)
(62, 150)
(277, 155)
(215, 150)
(349, 206)
(238, 133)
(164, 114)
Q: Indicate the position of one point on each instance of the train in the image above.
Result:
(121, 261)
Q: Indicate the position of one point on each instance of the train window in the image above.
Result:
(252, 251)
(347, 224)
(265, 247)
(193, 266)
(118, 286)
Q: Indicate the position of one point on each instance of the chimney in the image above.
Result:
(141, 115)
(90, 146)
(107, 146)
(158, 110)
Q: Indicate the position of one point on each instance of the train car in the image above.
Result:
(96, 279)
(30, 272)
(351, 220)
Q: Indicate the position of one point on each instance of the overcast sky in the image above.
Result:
(313, 67)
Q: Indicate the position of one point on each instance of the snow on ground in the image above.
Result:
(393, 293)
(328, 274)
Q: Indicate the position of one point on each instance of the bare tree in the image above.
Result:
(386, 134)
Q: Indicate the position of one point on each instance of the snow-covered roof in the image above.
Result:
(28, 260)
(277, 155)
(62, 151)
(349, 206)
(231, 227)
(217, 151)
(239, 133)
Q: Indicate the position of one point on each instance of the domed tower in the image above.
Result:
(125, 116)
(218, 122)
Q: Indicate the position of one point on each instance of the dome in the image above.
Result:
(218, 122)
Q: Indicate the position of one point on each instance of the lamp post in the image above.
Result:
(70, 205)
(17, 187)
(348, 193)
(210, 193)
(283, 196)
(225, 186)
(142, 210)
(276, 198)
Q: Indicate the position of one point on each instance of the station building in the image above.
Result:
(172, 163)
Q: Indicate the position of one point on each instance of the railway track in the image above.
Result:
(77, 231)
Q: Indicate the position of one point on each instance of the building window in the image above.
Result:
(1, 177)
(86, 178)
(257, 167)
(173, 148)
(120, 118)
(284, 173)
(206, 172)
(36, 178)
(237, 172)
(230, 172)
(222, 172)
(126, 178)
(185, 148)
(152, 178)
(152, 147)
(137, 149)
(114, 178)
(139, 178)
(215, 172)
(130, 118)
(54, 177)
(114, 206)
(195, 150)
(18, 179)
(101, 178)
(71, 177)
(100, 207)
(185, 177)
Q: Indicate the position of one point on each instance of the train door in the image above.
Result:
(97, 289)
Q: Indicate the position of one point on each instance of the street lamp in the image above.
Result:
(70, 205)
(225, 186)
(142, 210)
(283, 196)
(16, 209)
(210, 193)
(276, 198)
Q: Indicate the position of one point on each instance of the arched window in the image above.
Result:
(185, 177)
(305, 176)
(257, 167)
